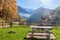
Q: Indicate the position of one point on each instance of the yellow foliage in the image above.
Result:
(9, 9)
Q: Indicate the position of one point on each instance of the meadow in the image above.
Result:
(21, 32)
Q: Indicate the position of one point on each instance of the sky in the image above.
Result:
(34, 4)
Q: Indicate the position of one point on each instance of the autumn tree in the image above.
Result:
(9, 10)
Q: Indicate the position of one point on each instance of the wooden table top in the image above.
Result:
(44, 27)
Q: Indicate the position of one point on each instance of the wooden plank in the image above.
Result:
(45, 27)
(40, 35)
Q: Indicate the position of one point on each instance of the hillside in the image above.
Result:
(37, 14)
(22, 31)
(24, 12)
(42, 14)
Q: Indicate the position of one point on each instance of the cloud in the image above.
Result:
(47, 3)
(25, 15)
(34, 4)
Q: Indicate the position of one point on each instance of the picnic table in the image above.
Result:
(38, 35)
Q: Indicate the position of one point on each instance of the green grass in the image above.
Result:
(21, 32)
(56, 32)
(19, 35)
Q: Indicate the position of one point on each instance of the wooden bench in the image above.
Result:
(41, 36)
(47, 35)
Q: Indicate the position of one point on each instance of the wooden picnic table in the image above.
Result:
(45, 28)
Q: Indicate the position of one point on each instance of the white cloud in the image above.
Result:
(47, 3)
(25, 15)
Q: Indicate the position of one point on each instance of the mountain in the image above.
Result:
(21, 10)
(24, 12)
(29, 10)
(38, 14)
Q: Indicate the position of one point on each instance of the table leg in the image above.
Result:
(32, 32)
(48, 35)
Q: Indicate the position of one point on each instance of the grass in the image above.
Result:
(21, 32)
(56, 32)
(19, 35)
